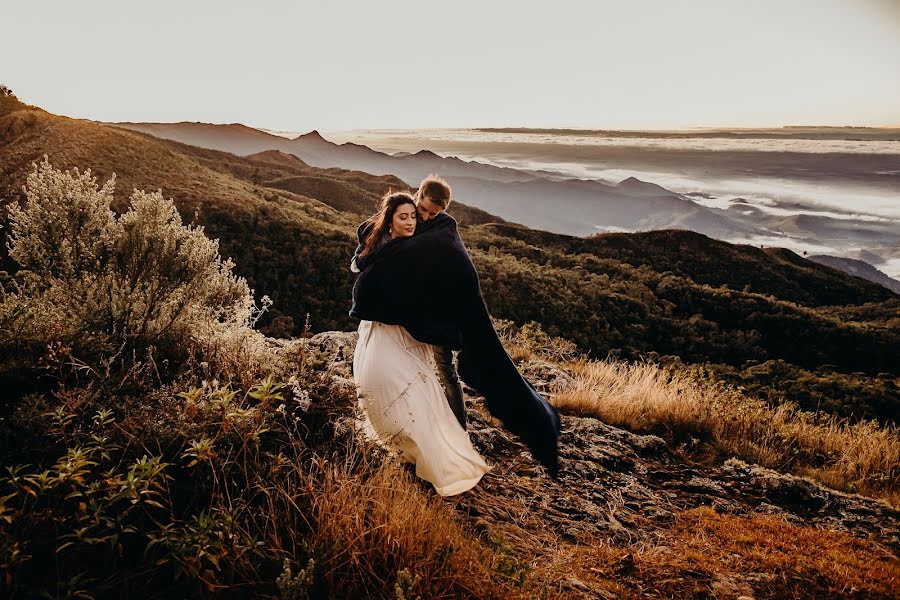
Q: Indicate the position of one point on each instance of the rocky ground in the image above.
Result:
(623, 489)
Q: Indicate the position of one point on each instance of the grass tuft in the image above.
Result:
(709, 417)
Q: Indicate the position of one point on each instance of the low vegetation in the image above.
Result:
(611, 308)
(780, 559)
(155, 444)
(113, 288)
(711, 421)
(160, 448)
(704, 417)
(783, 328)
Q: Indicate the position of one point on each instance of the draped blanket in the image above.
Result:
(428, 284)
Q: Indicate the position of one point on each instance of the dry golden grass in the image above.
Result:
(762, 556)
(368, 519)
(381, 523)
(860, 457)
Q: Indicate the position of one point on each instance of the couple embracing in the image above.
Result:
(418, 299)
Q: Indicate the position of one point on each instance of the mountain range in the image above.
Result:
(545, 200)
(766, 318)
(857, 267)
(575, 207)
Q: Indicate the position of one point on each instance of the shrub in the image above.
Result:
(530, 340)
(103, 285)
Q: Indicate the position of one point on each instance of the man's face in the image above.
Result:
(427, 209)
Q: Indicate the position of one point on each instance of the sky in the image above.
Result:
(631, 64)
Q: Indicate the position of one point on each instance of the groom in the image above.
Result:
(432, 199)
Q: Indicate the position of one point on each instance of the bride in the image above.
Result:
(400, 395)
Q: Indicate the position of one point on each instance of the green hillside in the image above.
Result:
(156, 444)
(290, 230)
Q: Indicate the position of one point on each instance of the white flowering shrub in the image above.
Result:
(65, 228)
(95, 282)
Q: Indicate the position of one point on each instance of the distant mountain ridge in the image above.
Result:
(858, 268)
(808, 132)
(579, 207)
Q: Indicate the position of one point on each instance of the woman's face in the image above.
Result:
(404, 222)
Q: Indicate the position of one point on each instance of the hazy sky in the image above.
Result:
(341, 65)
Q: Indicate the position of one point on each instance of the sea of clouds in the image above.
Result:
(862, 199)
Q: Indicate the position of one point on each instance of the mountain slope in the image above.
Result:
(268, 232)
(290, 229)
(773, 271)
(621, 489)
(858, 268)
(578, 207)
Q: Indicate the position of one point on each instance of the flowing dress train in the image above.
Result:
(404, 407)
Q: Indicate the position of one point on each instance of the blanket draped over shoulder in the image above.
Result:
(428, 284)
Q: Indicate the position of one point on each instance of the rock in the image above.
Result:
(703, 485)
(649, 445)
(546, 377)
(727, 585)
(334, 348)
(337, 348)
(619, 487)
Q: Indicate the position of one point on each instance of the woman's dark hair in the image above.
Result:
(381, 221)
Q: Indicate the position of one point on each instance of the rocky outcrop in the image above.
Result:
(620, 487)
(617, 484)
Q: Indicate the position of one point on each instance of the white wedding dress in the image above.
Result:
(404, 408)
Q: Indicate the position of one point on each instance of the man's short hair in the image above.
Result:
(436, 189)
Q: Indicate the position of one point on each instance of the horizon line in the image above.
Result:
(585, 128)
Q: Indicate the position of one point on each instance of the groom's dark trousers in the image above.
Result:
(446, 372)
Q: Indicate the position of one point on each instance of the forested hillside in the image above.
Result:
(764, 318)
(155, 443)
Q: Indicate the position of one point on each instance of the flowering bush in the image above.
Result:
(98, 283)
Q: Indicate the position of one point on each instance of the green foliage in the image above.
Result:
(854, 395)
(207, 512)
(91, 502)
(508, 565)
(609, 307)
(406, 582)
(267, 391)
(64, 229)
(199, 450)
(304, 266)
(103, 286)
(103, 515)
(693, 256)
(204, 546)
(532, 337)
(295, 587)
